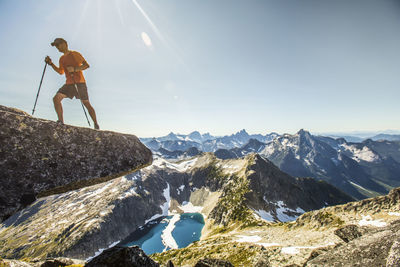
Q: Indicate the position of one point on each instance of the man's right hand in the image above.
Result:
(48, 60)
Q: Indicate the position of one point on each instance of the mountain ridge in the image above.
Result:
(248, 191)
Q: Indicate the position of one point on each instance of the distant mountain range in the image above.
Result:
(361, 169)
(204, 142)
(357, 139)
(359, 136)
(209, 143)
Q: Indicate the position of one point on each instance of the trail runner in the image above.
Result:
(72, 64)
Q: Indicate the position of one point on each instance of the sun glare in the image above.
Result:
(152, 25)
(146, 39)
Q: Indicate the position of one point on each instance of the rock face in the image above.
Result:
(273, 194)
(377, 247)
(122, 257)
(79, 223)
(40, 157)
(393, 258)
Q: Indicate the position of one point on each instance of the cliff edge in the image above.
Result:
(41, 157)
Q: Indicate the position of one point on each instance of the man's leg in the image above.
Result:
(92, 113)
(58, 107)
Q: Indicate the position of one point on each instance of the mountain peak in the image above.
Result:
(195, 135)
(171, 136)
(195, 132)
(242, 133)
(254, 142)
(303, 132)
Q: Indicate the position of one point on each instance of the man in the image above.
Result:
(72, 64)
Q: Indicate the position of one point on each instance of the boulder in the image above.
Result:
(262, 262)
(348, 232)
(122, 257)
(41, 157)
(213, 263)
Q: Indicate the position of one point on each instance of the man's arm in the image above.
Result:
(84, 66)
(59, 70)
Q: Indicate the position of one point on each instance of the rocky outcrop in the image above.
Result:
(16, 263)
(377, 247)
(122, 257)
(348, 233)
(40, 157)
(393, 259)
(56, 262)
(213, 263)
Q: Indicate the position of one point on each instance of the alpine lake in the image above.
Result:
(156, 236)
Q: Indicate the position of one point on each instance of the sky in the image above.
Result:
(158, 66)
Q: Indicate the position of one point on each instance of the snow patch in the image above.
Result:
(367, 220)
(282, 210)
(232, 168)
(296, 250)
(167, 196)
(179, 190)
(164, 207)
(130, 192)
(290, 250)
(181, 167)
(268, 150)
(166, 236)
(188, 207)
(285, 142)
(101, 251)
(394, 213)
(364, 154)
(251, 239)
(265, 215)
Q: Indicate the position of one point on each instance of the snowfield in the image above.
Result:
(364, 154)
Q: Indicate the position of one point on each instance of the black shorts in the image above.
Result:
(70, 91)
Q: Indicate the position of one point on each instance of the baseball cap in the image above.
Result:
(58, 41)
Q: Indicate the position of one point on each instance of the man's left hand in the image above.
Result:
(71, 69)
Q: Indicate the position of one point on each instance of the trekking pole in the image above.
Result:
(40, 85)
(77, 91)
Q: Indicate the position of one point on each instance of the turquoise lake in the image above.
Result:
(186, 231)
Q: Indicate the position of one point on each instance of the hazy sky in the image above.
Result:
(215, 66)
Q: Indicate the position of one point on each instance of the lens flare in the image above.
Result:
(152, 25)
(146, 39)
